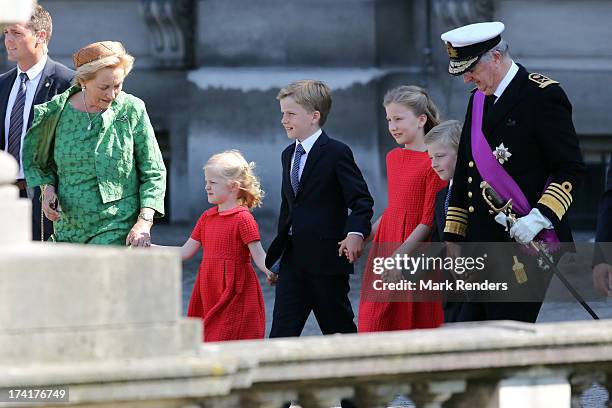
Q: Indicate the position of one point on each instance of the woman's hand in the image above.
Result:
(140, 234)
(50, 203)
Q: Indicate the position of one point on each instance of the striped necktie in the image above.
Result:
(16, 121)
(295, 169)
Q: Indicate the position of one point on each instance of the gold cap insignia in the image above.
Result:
(452, 52)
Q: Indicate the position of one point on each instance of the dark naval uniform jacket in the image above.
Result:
(533, 120)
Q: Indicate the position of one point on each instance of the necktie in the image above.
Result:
(295, 169)
(489, 101)
(16, 121)
(447, 200)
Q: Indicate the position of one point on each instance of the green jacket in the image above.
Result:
(127, 158)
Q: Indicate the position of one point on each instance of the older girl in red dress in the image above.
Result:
(226, 294)
(407, 220)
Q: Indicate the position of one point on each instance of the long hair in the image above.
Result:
(417, 100)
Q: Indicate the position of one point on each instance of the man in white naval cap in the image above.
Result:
(519, 137)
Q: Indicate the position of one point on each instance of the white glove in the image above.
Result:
(526, 228)
(502, 219)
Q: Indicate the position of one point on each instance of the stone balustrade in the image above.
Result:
(494, 364)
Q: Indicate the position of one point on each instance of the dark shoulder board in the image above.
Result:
(541, 80)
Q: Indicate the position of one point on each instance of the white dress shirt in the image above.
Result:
(307, 145)
(506, 81)
(535, 213)
(34, 74)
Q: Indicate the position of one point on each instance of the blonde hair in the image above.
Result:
(448, 133)
(417, 100)
(88, 71)
(232, 166)
(311, 95)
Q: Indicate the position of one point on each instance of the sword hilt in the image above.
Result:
(495, 201)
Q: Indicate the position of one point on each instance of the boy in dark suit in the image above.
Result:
(35, 80)
(320, 183)
(442, 142)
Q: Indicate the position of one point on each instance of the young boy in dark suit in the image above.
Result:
(320, 183)
(442, 142)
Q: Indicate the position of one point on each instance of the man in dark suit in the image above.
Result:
(35, 80)
(320, 183)
(602, 270)
(519, 137)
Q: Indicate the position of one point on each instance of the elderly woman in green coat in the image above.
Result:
(93, 150)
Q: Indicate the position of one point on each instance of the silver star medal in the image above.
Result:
(501, 153)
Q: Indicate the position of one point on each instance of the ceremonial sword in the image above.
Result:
(498, 205)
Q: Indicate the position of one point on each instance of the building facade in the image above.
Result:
(209, 71)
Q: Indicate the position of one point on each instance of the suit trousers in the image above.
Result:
(300, 291)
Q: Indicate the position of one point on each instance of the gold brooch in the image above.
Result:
(501, 154)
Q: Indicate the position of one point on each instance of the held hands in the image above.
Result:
(351, 247)
(50, 204)
(526, 228)
(140, 234)
(602, 279)
(271, 277)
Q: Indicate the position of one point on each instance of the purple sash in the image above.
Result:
(493, 173)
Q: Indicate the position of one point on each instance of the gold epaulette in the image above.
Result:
(542, 80)
(456, 221)
(557, 197)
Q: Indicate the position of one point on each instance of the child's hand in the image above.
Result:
(271, 277)
(392, 276)
(342, 250)
(351, 247)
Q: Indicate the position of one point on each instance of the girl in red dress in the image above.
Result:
(407, 220)
(226, 294)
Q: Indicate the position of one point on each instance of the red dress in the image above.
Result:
(226, 294)
(412, 187)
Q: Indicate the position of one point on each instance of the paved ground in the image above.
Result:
(551, 311)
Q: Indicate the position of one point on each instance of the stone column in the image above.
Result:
(267, 399)
(433, 394)
(14, 11)
(580, 382)
(479, 392)
(15, 212)
(324, 397)
(63, 303)
(379, 395)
